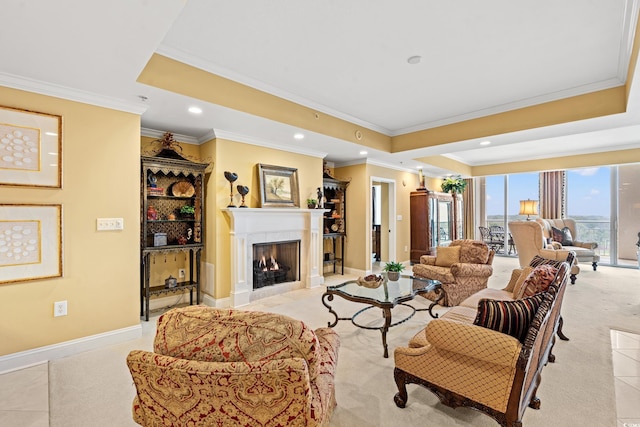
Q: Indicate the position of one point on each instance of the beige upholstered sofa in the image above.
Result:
(462, 275)
(529, 239)
(585, 251)
(228, 367)
(466, 364)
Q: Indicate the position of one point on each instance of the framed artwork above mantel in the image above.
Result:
(278, 186)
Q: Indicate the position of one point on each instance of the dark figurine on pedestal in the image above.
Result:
(319, 205)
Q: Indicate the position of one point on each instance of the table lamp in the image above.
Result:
(528, 207)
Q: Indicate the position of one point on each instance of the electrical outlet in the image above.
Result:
(59, 308)
(181, 273)
(406, 248)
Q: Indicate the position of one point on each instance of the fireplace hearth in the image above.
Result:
(276, 262)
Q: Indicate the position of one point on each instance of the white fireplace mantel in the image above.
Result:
(261, 225)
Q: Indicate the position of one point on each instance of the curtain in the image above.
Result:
(553, 194)
(468, 209)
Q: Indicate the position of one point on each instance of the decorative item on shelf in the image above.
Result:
(311, 203)
(320, 197)
(231, 177)
(152, 214)
(171, 217)
(187, 211)
(243, 190)
(189, 235)
(528, 207)
(421, 186)
(153, 181)
(158, 239)
(170, 282)
(182, 189)
(371, 281)
(182, 240)
(155, 191)
(335, 214)
(393, 270)
(334, 227)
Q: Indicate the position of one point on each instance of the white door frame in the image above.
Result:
(392, 218)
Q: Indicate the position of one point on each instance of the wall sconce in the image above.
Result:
(528, 207)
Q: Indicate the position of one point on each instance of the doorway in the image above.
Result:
(382, 237)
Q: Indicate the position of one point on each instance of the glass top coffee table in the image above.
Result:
(388, 295)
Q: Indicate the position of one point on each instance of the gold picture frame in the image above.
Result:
(278, 186)
(30, 148)
(30, 242)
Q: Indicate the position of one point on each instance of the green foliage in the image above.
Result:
(186, 209)
(393, 266)
(454, 184)
(312, 201)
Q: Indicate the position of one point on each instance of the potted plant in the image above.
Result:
(187, 211)
(311, 203)
(393, 270)
(454, 185)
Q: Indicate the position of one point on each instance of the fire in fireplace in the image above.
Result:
(276, 262)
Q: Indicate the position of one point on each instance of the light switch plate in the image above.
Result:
(108, 224)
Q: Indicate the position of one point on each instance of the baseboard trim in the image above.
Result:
(37, 356)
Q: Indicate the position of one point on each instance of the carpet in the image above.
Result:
(95, 388)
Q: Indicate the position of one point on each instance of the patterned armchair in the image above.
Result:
(234, 368)
(461, 275)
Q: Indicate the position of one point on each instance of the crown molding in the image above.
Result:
(529, 102)
(223, 134)
(58, 91)
(374, 162)
(629, 23)
(154, 133)
(198, 62)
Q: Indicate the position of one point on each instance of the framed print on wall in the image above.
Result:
(278, 186)
(30, 148)
(30, 242)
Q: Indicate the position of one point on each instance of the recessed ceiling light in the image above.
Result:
(195, 110)
(413, 60)
(363, 153)
(298, 136)
(485, 143)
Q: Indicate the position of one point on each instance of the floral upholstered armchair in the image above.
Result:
(463, 268)
(234, 368)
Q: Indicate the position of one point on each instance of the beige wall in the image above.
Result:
(101, 269)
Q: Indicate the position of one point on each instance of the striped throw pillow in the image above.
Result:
(509, 317)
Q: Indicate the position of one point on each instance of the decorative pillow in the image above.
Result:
(537, 281)
(563, 236)
(517, 286)
(538, 260)
(509, 317)
(446, 256)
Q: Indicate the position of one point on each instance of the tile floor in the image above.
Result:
(24, 394)
(626, 371)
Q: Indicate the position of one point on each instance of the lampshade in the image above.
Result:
(528, 207)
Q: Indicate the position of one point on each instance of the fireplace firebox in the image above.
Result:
(276, 262)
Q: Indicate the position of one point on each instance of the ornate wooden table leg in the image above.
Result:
(386, 312)
(559, 332)
(440, 297)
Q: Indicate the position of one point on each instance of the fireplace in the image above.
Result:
(275, 262)
(263, 227)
